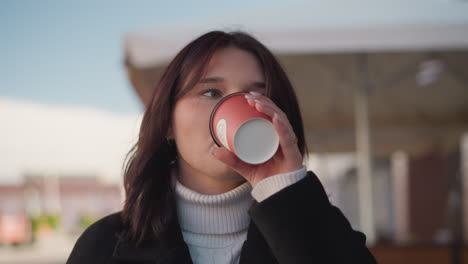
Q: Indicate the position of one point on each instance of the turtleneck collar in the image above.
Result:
(224, 213)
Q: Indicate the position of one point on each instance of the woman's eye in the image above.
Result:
(213, 93)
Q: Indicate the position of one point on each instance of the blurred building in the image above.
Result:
(15, 226)
(71, 200)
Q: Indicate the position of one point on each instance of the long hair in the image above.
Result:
(150, 202)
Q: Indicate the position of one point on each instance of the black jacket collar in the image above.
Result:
(171, 248)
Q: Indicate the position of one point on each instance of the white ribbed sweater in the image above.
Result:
(215, 226)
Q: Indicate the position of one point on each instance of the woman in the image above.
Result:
(188, 201)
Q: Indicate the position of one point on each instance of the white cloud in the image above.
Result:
(60, 140)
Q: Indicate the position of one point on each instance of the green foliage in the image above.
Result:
(52, 221)
(87, 220)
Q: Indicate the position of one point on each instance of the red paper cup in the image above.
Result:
(244, 131)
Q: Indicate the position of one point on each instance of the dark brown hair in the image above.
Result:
(150, 203)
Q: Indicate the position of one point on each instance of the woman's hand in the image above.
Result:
(288, 157)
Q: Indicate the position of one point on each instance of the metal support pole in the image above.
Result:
(363, 150)
(400, 179)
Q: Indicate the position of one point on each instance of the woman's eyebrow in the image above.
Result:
(252, 85)
(258, 84)
(212, 80)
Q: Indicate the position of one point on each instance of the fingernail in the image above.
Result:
(248, 96)
(255, 93)
(258, 101)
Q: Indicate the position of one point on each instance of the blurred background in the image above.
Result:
(383, 89)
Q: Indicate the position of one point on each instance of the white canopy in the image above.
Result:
(417, 77)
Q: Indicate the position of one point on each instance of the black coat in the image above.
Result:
(296, 225)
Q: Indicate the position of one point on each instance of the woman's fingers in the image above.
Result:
(287, 137)
(250, 100)
(263, 107)
(270, 109)
(265, 99)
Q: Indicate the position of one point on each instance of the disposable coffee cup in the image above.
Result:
(243, 130)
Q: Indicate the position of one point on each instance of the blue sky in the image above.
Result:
(70, 52)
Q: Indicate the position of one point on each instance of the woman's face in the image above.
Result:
(230, 70)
